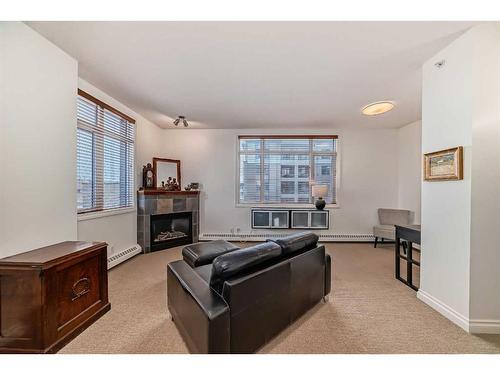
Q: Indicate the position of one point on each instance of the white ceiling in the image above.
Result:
(257, 74)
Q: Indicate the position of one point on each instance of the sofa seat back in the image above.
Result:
(263, 303)
(242, 261)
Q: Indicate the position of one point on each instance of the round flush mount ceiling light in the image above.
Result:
(377, 108)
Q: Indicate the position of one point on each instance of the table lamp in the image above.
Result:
(320, 191)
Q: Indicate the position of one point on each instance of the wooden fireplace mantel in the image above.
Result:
(166, 192)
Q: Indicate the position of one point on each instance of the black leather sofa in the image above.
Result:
(238, 301)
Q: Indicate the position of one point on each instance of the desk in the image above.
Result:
(410, 234)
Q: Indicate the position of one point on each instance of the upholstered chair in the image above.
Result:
(389, 217)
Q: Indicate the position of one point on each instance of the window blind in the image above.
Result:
(105, 156)
(281, 169)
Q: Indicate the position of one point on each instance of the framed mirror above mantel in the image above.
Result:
(166, 170)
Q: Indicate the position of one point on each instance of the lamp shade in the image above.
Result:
(319, 191)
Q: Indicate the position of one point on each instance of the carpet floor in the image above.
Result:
(368, 312)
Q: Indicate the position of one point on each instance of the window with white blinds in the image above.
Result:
(105, 156)
(281, 169)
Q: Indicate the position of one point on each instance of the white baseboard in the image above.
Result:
(123, 255)
(484, 326)
(262, 236)
(444, 309)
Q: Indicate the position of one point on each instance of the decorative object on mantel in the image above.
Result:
(444, 165)
(192, 186)
(167, 174)
(171, 184)
(320, 191)
(148, 176)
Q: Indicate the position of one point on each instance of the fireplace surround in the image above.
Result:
(167, 218)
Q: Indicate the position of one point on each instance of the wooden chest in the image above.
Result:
(49, 295)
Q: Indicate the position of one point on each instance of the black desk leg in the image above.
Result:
(409, 263)
(396, 251)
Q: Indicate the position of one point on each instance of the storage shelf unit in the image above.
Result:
(267, 218)
(310, 219)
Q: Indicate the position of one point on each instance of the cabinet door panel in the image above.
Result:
(79, 288)
(279, 219)
(300, 219)
(319, 219)
(261, 219)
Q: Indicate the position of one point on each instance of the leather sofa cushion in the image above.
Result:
(239, 261)
(201, 253)
(296, 242)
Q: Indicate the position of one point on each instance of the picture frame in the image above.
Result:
(444, 165)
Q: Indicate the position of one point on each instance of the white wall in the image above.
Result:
(485, 204)
(120, 230)
(410, 168)
(38, 82)
(446, 123)
(461, 101)
(368, 175)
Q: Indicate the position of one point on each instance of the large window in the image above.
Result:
(280, 169)
(105, 156)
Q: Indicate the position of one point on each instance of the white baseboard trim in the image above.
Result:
(484, 326)
(123, 255)
(262, 236)
(474, 326)
(444, 309)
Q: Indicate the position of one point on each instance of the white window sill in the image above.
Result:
(105, 213)
(287, 206)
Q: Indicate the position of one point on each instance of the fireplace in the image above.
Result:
(154, 208)
(170, 230)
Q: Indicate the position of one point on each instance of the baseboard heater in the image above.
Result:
(122, 256)
(264, 235)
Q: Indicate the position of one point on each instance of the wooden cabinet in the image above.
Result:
(49, 295)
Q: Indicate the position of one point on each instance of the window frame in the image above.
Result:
(262, 204)
(99, 210)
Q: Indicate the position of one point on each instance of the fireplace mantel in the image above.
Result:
(160, 202)
(166, 192)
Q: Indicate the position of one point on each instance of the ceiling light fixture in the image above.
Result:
(179, 119)
(377, 108)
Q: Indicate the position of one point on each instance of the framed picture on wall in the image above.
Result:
(444, 165)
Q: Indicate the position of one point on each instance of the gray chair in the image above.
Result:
(388, 217)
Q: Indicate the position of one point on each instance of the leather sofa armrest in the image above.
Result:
(201, 314)
(328, 274)
(202, 253)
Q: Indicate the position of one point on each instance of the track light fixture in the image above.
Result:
(179, 119)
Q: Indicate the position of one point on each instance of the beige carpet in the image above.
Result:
(368, 312)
